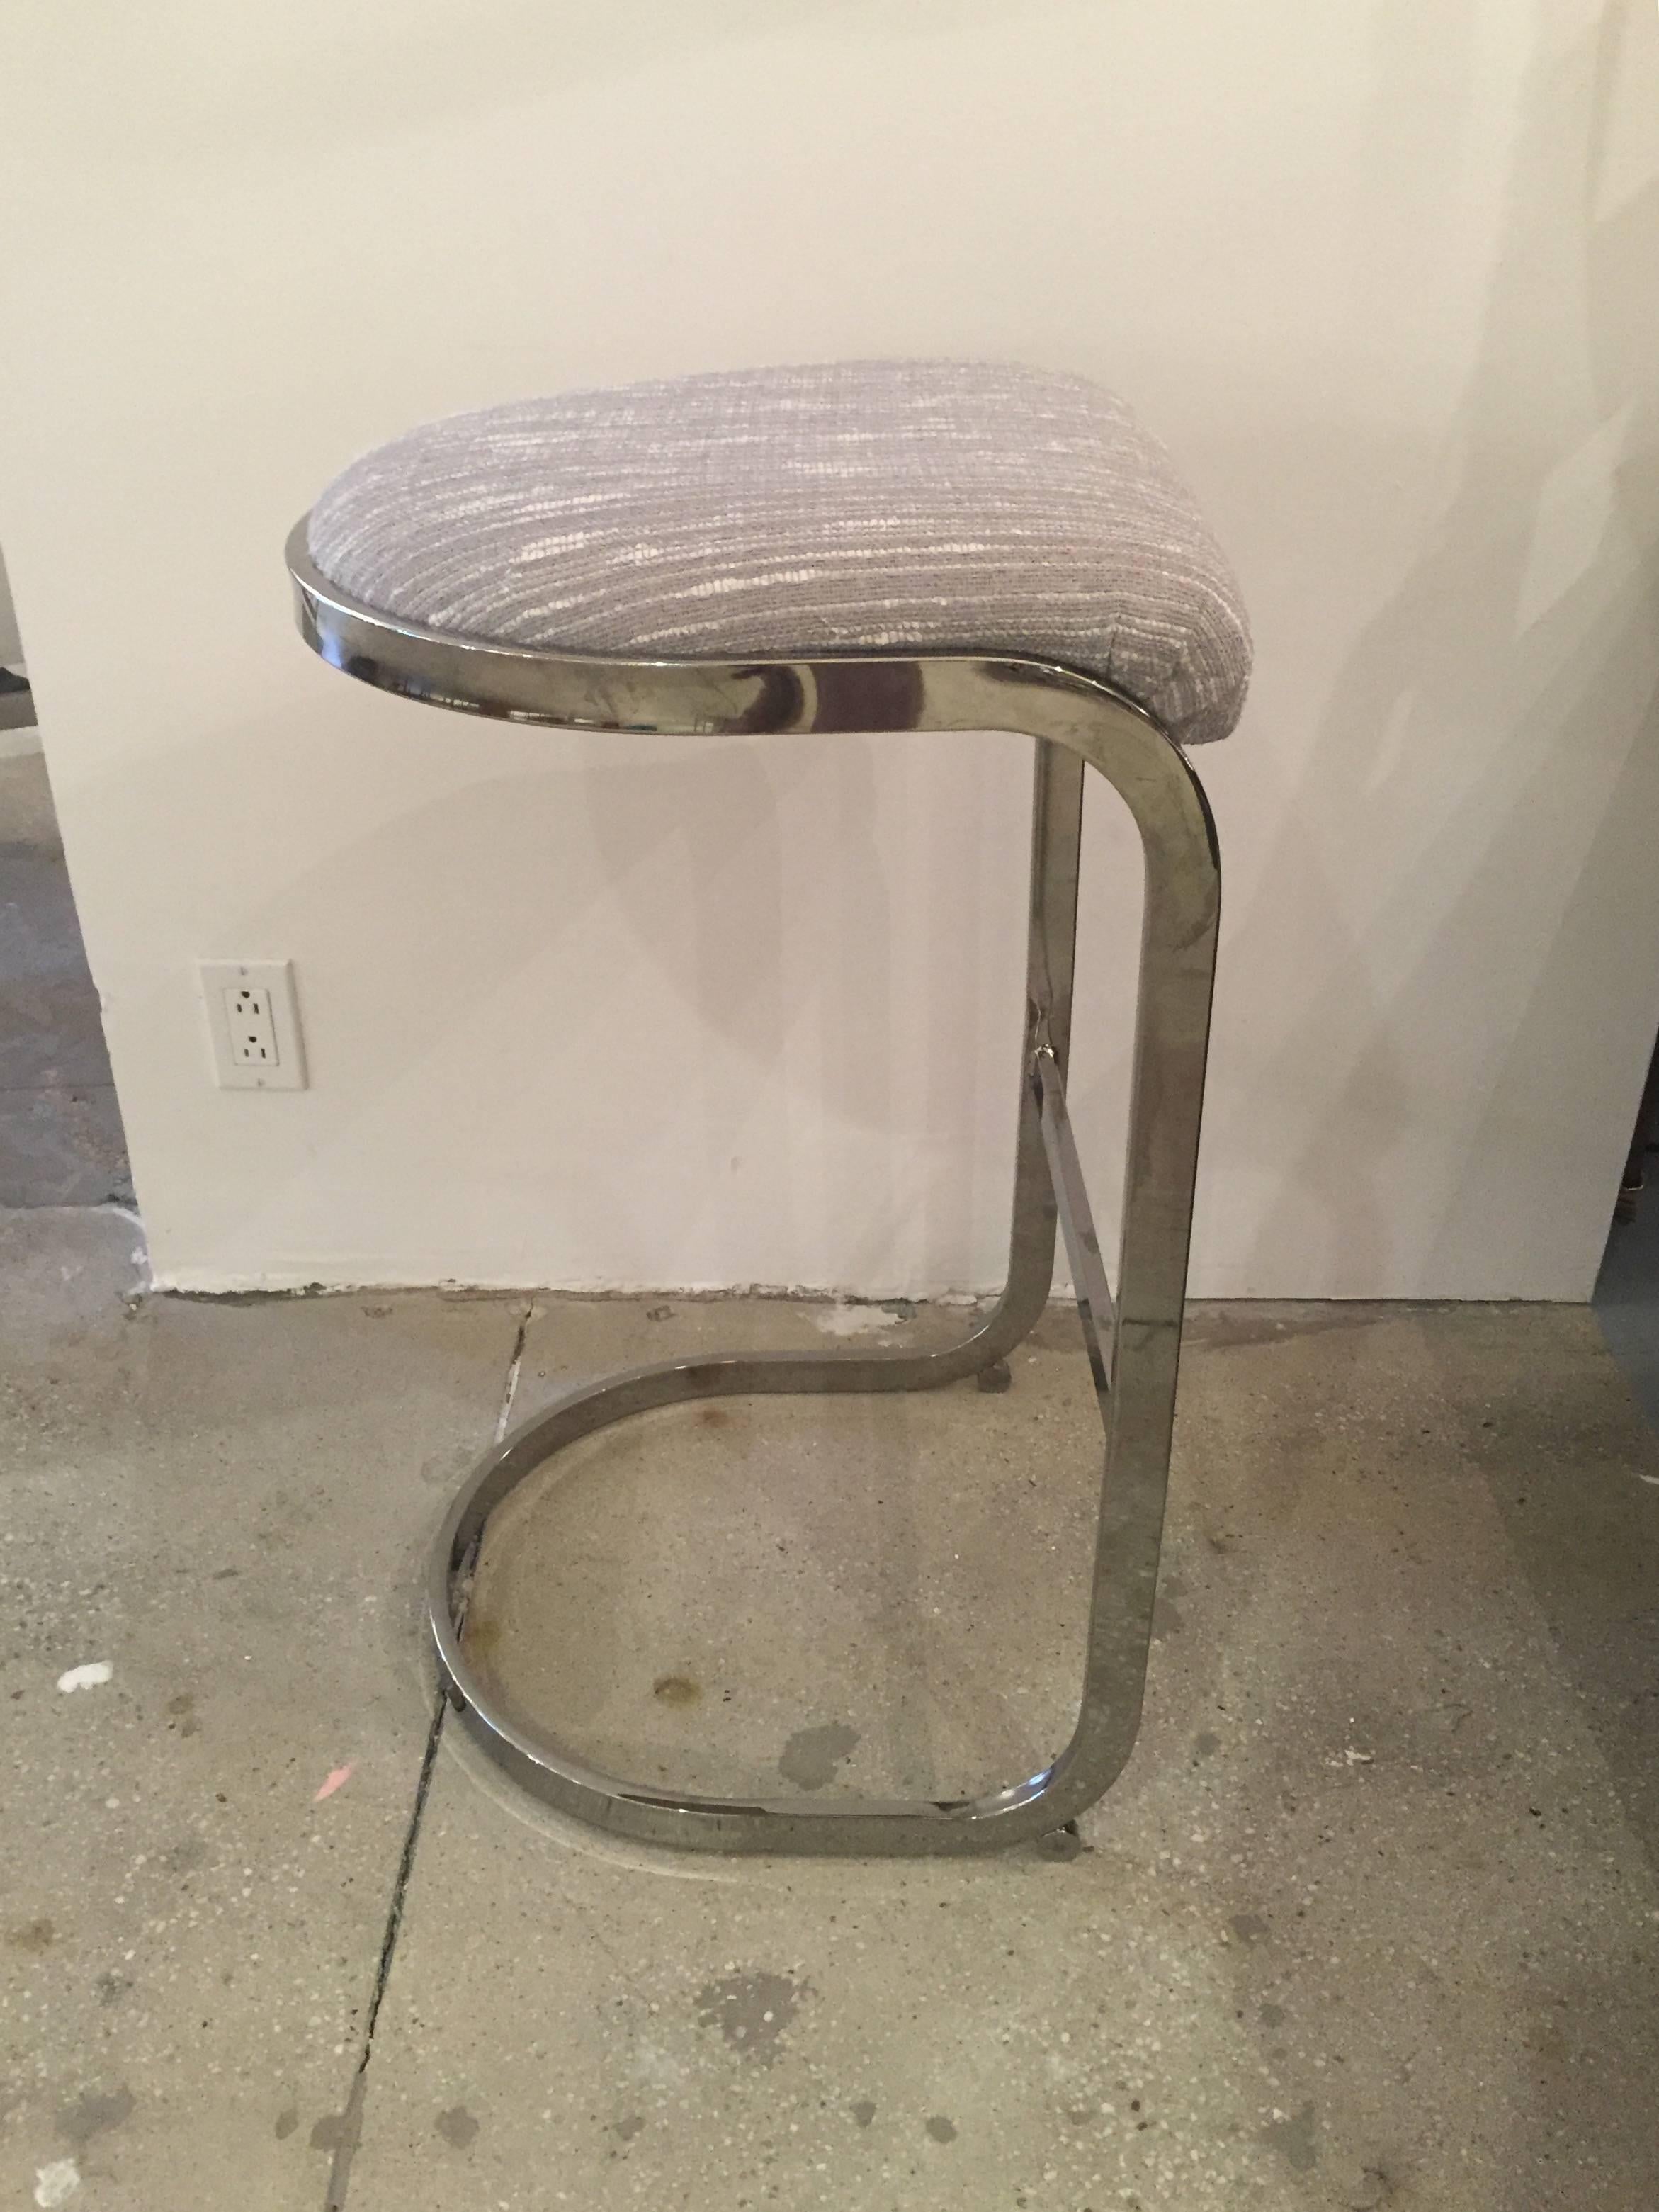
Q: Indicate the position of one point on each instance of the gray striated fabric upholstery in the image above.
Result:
(927, 506)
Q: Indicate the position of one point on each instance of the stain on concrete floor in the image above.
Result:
(457, 2126)
(753, 2011)
(812, 1755)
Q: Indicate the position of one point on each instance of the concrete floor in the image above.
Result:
(61, 1140)
(1370, 1920)
(17, 700)
(1627, 1298)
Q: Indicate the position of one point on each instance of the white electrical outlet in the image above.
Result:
(254, 1025)
(252, 1029)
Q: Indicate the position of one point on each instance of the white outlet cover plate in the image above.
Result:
(218, 979)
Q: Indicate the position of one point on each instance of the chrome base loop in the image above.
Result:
(559, 1776)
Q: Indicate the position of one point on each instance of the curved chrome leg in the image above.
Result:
(1137, 1386)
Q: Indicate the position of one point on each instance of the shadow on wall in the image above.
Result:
(1488, 708)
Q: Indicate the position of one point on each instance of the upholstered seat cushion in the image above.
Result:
(924, 506)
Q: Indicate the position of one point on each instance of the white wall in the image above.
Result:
(581, 1010)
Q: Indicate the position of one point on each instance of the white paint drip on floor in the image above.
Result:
(853, 1320)
(140, 1251)
(88, 1677)
(57, 2183)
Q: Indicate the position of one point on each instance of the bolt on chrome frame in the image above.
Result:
(1134, 1342)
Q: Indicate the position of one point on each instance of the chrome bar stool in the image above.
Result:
(852, 548)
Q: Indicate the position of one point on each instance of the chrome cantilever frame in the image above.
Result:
(1134, 1342)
